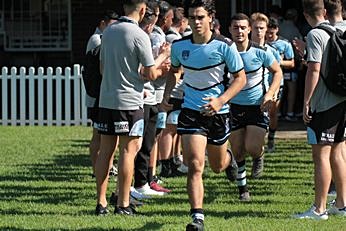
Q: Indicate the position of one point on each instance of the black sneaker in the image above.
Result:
(232, 169)
(100, 210)
(245, 196)
(113, 199)
(128, 211)
(257, 167)
(195, 225)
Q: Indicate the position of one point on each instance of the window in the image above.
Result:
(36, 25)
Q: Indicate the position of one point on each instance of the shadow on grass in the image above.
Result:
(9, 228)
(63, 167)
(57, 170)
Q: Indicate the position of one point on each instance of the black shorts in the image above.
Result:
(280, 93)
(93, 115)
(244, 115)
(121, 122)
(172, 116)
(216, 128)
(290, 76)
(328, 127)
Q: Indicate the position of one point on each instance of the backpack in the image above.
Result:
(91, 72)
(335, 74)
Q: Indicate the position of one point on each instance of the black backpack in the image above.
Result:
(335, 77)
(91, 72)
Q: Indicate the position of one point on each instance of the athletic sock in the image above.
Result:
(197, 214)
(150, 174)
(241, 177)
(271, 134)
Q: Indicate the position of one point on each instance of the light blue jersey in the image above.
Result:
(256, 59)
(284, 47)
(268, 75)
(286, 52)
(205, 68)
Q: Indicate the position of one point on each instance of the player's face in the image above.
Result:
(169, 19)
(259, 29)
(271, 34)
(199, 20)
(239, 30)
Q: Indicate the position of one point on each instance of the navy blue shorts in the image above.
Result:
(244, 115)
(216, 128)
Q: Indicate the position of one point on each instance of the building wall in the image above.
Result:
(85, 15)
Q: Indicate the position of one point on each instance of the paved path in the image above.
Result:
(291, 130)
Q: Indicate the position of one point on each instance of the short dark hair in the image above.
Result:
(164, 8)
(178, 15)
(313, 7)
(333, 7)
(273, 23)
(148, 18)
(240, 16)
(208, 5)
(109, 15)
(132, 3)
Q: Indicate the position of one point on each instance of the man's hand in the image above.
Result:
(268, 99)
(165, 49)
(306, 114)
(165, 106)
(212, 107)
(299, 45)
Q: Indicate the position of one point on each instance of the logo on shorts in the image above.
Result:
(185, 54)
(101, 127)
(327, 137)
(121, 127)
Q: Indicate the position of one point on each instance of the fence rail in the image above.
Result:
(42, 96)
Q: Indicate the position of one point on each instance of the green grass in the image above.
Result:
(45, 184)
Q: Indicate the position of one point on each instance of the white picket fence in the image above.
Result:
(42, 96)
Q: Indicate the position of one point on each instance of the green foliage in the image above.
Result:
(46, 184)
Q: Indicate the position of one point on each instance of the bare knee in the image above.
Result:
(254, 150)
(195, 167)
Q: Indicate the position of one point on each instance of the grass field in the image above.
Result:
(45, 184)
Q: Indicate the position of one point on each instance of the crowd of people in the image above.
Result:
(175, 91)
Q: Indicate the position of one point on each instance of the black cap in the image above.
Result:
(273, 23)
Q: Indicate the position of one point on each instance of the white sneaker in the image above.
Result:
(312, 214)
(147, 191)
(336, 211)
(137, 195)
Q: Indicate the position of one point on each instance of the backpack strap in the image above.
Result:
(328, 29)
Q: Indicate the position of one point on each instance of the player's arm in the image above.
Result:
(215, 104)
(237, 84)
(153, 72)
(311, 80)
(287, 64)
(274, 86)
(173, 77)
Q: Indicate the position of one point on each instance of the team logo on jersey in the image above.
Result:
(185, 54)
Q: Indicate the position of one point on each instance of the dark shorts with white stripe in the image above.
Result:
(245, 115)
(216, 128)
(121, 122)
(328, 127)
